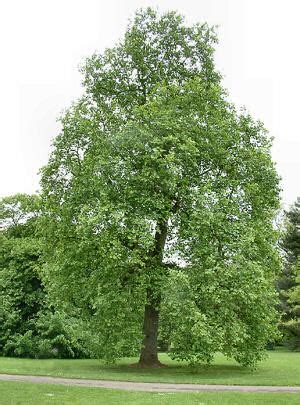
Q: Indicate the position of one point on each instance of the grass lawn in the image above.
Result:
(281, 368)
(13, 393)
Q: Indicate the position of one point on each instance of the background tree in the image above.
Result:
(292, 325)
(159, 198)
(21, 292)
(288, 283)
(29, 325)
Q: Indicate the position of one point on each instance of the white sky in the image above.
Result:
(43, 42)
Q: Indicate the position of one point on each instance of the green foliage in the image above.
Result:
(159, 192)
(219, 314)
(21, 292)
(52, 335)
(18, 210)
(292, 326)
(292, 239)
(289, 282)
(27, 327)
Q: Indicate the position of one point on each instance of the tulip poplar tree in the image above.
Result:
(159, 199)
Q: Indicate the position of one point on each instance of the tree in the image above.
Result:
(292, 237)
(292, 325)
(21, 292)
(291, 247)
(159, 199)
(288, 283)
(29, 325)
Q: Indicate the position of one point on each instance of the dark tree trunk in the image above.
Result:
(148, 355)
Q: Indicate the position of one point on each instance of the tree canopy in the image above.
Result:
(159, 199)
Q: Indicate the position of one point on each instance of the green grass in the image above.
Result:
(13, 393)
(281, 368)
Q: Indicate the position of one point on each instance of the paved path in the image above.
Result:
(141, 386)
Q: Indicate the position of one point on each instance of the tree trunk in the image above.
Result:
(148, 355)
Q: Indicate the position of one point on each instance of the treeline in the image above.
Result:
(32, 324)
(289, 281)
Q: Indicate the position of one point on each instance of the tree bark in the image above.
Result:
(149, 355)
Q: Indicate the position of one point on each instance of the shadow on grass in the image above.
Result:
(203, 371)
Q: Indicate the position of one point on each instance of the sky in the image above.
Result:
(42, 44)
